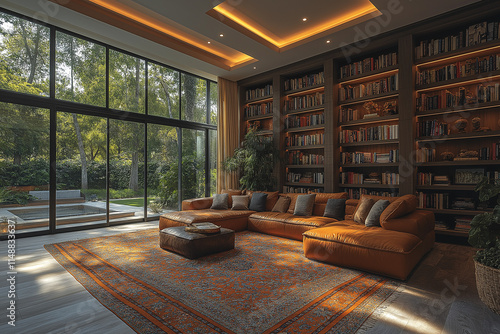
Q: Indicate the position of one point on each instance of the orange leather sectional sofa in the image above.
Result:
(393, 250)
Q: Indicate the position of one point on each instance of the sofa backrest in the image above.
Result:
(319, 202)
(398, 207)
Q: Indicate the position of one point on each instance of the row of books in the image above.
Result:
(433, 200)
(299, 158)
(305, 81)
(432, 128)
(308, 177)
(356, 193)
(479, 33)
(359, 178)
(369, 157)
(251, 94)
(300, 121)
(306, 101)
(490, 153)
(460, 69)
(301, 190)
(446, 99)
(384, 85)
(429, 179)
(258, 109)
(425, 154)
(381, 132)
(305, 140)
(369, 64)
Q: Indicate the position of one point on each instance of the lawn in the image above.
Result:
(131, 201)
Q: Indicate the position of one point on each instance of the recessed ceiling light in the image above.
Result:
(208, 42)
(221, 35)
(327, 42)
(304, 19)
(255, 67)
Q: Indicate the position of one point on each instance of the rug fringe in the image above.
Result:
(375, 316)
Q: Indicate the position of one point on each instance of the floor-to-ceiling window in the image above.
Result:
(127, 138)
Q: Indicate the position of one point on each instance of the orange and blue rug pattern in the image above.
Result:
(264, 285)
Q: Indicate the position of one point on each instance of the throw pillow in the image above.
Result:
(335, 208)
(240, 202)
(282, 204)
(363, 209)
(373, 218)
(231, 193)
(304, 205)
(258, 202)
(220, 202)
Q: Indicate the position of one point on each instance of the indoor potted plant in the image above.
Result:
(255, 160)
(485, 234)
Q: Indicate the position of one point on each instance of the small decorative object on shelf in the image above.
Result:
(469, 176)
(390, 108)
(447, 156)
(460, 124)
(371, 108)
(255, 126)
(467, 155)
(476, 125)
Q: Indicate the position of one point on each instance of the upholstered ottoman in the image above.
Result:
(195, 245)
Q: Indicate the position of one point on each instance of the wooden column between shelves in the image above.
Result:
(278, 138)
(406, 102)
(330, 151)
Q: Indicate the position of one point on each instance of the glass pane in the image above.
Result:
(194, 99)
(126, 82)
(24, 167)
(126, 170)
(193, 164)
(24, 56)
(80, 170)
(163, 169)
(80, 70)
(212, 163)
(163, 91)
(214, 100)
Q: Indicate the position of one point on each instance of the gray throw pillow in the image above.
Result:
(335, 208)
(220, 202)
(373, 218)
(240, 202)
(304, 205)
(258, 202)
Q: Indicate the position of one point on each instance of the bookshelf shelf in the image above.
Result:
(454, 211)
(451, 187)
(368, 98)
(305, 90)
(459, 163)
(256, 118)
(370, 186)
(306, 128)
(370, 120)
(264, 132)
(258, 100)
(471, 79)
(459, 109)
(381, 72)
(306, 147)
(301, 184)
(370, 165)
(451, 232)
(459, 54)
(305, 110)
(459, 136)
(304, 166)
(372, 142)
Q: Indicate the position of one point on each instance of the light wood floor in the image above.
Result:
(440, 296)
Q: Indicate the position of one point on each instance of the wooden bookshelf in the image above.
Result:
(370, 186)
(372, 120)
(370, 165)
(371, 142)
(304, 166)
(369, 98)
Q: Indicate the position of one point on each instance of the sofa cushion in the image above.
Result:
(304, 205)
(373, 218)
(220, 202)
(240, 202)
(399, 207)
(362, 210)
(321, 200)
(258, 201)
(231, 192)
(282, 204)
(272, 198)
(335, 208)
(234, 219)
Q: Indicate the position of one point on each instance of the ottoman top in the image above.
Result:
(180, 232)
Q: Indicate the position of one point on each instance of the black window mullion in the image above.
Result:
(179, 168)
(53, 135)
(207, 163)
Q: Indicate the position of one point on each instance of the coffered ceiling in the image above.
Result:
(233, 38)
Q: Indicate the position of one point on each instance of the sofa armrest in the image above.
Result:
(197, 203)
(418, 222)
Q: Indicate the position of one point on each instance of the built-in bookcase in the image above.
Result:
(258, 110)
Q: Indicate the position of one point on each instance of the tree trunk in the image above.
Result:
(190, 93)
(83, 158)
(134, 172)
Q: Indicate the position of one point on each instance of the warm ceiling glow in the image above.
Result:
(221, 35)
(150, 22)
(232, 14)
(328, 42)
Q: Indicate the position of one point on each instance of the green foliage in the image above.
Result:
(30, 173)
(489, 257)
(157, 205)
(485, 227)
(14, 197)
(255, 159)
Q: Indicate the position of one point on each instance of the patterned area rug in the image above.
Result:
(264, 285)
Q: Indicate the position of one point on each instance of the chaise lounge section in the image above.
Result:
(392, 249)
